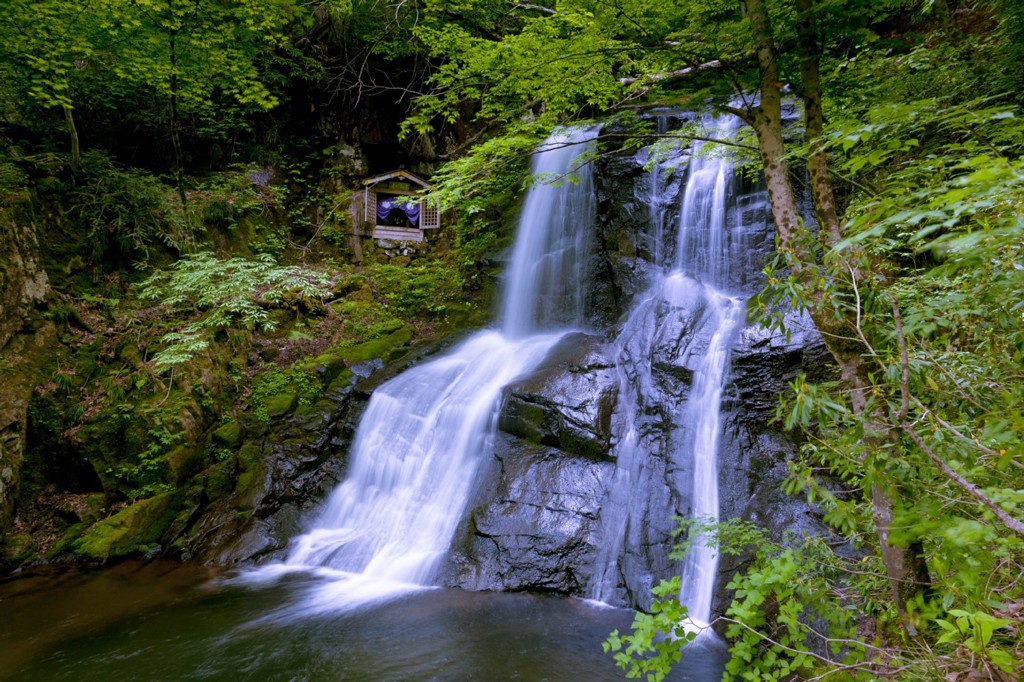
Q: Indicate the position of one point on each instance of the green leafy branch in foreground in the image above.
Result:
(658, 637)
(785, 588)
(236, 292)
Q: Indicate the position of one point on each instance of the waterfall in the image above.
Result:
(702, 419)
(546, 283)
(687, 319)
(387, 527)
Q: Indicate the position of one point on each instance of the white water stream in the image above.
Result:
(387, 527)
(690, 298)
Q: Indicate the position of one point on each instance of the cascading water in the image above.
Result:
(545, 284)
(388, 525)
(686, 319)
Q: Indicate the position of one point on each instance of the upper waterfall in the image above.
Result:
(545, 286)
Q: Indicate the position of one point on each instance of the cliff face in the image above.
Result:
(238, 487)
(23, 286)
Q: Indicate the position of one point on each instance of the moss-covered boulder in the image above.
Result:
(229, 435)
(128, 531)
(183, 462)
(387, 347)
(281, 405)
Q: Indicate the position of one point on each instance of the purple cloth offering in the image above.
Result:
(386, 206)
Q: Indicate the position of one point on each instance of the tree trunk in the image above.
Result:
(76, 154)
(947, 18)
(904, 565)
(814, 124)
(179, 169)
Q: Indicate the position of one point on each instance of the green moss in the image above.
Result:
(276, 392)
(348, 285)
(249, 456)
(329, 366)
(19, 548)
(365, 319)
(219, 481)
(244, 482)
(66, 541)
(229, 435)
(384, 347)
(343, 380)
(281, 405)
(183, 462)
(138, 525)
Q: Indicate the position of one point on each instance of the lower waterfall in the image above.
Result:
(386, 528)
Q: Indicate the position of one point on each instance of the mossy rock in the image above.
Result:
(219, 481)
(341, 382)
(311, 417)
(249, 486)
(348, 285)
(385, 347)
(328, 366)
(183, 462)
(130, 355)
(249, 455)
(18, 549)
(229, 435)
(125, 532)
(66, 541)
(364, 295)
(281, 405)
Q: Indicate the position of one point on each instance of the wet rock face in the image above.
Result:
(23, 281)
(536, 532)
(292, 468)
(296, 465)
(537, 521)
(568, 401)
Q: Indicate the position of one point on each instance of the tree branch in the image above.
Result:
(971, 489)
(673, 75)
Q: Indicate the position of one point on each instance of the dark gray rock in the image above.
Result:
(537, 531)
(567, 402)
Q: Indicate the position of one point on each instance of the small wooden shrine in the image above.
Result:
(390, 210)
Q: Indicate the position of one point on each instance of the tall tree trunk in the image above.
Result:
(904, 565)
(179, 163)
(76, 154)
(814, 123)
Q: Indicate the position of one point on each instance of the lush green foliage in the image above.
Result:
(924, 139)
(226, 293)
(927, 158)
(126, 212)
(657, 639)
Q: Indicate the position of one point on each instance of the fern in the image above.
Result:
(236, 292)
